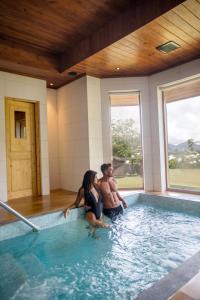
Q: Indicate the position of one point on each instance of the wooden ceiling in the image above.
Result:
(48, 39)
(54, 25)
(124, 99)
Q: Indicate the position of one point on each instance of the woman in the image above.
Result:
(93, 199)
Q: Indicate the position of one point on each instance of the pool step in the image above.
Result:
(12, 276)
(31, 264)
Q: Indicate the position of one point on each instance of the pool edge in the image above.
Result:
(169, 284)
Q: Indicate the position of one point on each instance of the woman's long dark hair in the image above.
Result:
(88, 180)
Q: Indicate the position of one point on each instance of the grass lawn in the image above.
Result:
(130, 182)
(178, 178)
(183, 178)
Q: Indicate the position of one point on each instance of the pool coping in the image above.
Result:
(53, 218)
(124, 193)
(38, 214)
(178, 196)
(169, 284)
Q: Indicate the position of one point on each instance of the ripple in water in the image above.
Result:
(139, 249)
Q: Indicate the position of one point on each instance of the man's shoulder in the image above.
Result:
(102, 180)
(104, 186)
(112, 179)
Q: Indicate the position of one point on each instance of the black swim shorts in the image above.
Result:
(113, 213)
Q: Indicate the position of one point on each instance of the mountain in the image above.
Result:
(183, 147)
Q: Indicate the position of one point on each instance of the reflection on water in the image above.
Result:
(140, 248)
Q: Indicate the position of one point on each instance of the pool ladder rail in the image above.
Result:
(22, 218)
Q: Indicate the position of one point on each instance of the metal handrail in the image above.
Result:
(14, 212)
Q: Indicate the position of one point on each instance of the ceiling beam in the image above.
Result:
(27, 56)
(138, 14)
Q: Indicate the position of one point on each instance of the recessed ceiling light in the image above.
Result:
(72, 73)
(117, 68)
(168, 47)
(51, 83)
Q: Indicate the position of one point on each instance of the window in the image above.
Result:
(182, 134)
(20, 124)
(126, 140)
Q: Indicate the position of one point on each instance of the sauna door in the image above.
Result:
(21, 148)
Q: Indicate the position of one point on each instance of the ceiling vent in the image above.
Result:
(168, 47)
(72, 73)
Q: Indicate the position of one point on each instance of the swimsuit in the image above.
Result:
(112, 213)
(95, 207)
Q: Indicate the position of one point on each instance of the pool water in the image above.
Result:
(65, 262)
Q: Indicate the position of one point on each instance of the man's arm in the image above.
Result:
(113, 186)
(106, 192)
(122, 200)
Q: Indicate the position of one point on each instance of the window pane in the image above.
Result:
(20, 124)
(126, 146)
(183, 129)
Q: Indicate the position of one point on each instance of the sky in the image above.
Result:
(126, 112)
(183, 119)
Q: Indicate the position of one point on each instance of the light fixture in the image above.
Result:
(168, 47)
(117, 68)
(72, 73)
(51, 83)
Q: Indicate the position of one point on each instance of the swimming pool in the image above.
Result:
(64, 262)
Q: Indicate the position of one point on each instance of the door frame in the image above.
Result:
(165, 134)
(138, 92)
(37, 140)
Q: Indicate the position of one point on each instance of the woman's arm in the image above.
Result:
(79, 197)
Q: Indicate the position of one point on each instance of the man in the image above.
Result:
(111, 198)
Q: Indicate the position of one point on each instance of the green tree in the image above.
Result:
(125, 137)
(190, 144)
(121, 148)
(173, 163)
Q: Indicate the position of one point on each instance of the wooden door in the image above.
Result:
(21, 149)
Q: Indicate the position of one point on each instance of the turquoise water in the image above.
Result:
(64, 262)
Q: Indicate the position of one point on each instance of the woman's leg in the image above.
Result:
(91, 218)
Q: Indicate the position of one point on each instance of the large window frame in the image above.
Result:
(141, 132)
(165, 131)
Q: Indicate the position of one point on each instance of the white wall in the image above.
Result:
(73, 133)
(157, 81)
(80, 132)
(128, 84)
(94, 123)
(54, 171)
(29, 89)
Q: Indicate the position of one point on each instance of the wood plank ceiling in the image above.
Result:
(111, 38)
